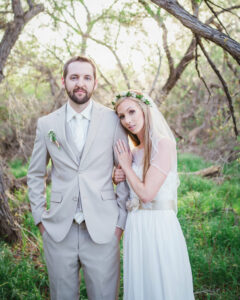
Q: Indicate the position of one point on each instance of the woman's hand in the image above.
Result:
(124, 155)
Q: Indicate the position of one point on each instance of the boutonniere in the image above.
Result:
(53, 138)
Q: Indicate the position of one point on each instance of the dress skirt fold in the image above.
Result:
(156, 262)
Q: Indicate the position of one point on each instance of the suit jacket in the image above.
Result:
(91, 176)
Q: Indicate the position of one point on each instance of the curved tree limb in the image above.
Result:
(177, 72)
(199, 28)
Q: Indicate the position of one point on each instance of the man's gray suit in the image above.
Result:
(88, 176)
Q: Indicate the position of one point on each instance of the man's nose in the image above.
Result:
(80, 82)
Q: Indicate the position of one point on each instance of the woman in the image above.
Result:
(156, 263)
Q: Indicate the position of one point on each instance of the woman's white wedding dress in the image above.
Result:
(156, 262)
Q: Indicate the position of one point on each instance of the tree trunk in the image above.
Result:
(208, 172)
(13, 30)
(199, 28)
(8, 231)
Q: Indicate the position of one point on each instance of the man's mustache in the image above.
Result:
(79, 90)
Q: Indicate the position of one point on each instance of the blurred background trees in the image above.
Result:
(137, 45)
(185, 54)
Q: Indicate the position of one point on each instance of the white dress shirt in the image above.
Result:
(79, 123)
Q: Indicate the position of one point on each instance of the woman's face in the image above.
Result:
(131, 116)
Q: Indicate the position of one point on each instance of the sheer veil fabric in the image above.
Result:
(164, 152)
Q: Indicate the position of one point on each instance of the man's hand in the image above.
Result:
(41, 228)
(118, 233)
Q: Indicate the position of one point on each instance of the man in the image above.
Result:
(84, 223)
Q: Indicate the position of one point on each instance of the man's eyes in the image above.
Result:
(76, 78)
(132, 111)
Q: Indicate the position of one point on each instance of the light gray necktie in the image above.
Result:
(79, 132)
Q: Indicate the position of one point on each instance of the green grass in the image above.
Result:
(209, 213)
(18, 168)
(20, 278)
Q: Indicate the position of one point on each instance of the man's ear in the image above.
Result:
(63, 82)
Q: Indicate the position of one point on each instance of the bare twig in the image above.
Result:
(216, 16)
(198, 71)
(157, 73)
(229, 9)
(224, 84)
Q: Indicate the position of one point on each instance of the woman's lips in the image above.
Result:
(131, 127)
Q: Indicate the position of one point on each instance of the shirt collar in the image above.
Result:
(86, 113)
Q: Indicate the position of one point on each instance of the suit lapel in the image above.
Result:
(62, 133)
(93, 126)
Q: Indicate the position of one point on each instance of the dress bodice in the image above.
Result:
(168, 190)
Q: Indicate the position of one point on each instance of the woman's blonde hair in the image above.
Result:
(147, 124)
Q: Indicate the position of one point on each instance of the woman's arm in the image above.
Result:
(156, 174)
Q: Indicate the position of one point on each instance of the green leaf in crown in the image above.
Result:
(133, 95)
(139, 96)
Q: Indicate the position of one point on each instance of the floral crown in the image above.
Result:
(129, 94)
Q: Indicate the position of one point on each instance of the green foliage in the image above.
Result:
(20, 278)
(18, 168)
(209, 214)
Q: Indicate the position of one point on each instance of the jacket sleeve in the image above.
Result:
(122, 189)
(37, 173)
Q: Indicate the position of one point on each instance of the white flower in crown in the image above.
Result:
(128, 94)
(133, 204)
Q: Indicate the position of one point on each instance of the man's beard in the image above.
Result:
(77, 100)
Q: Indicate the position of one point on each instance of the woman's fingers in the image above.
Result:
(121, 146)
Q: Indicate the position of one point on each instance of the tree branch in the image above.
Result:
(13, 30)
(166, 49)
(17, 8)
(229, 9)
(197, 69)
(117, 59)
(224, 84)
(216, 16)
(173, 78)
(201, 29)
(157, 74)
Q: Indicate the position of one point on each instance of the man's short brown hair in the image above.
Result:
(80, 59)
